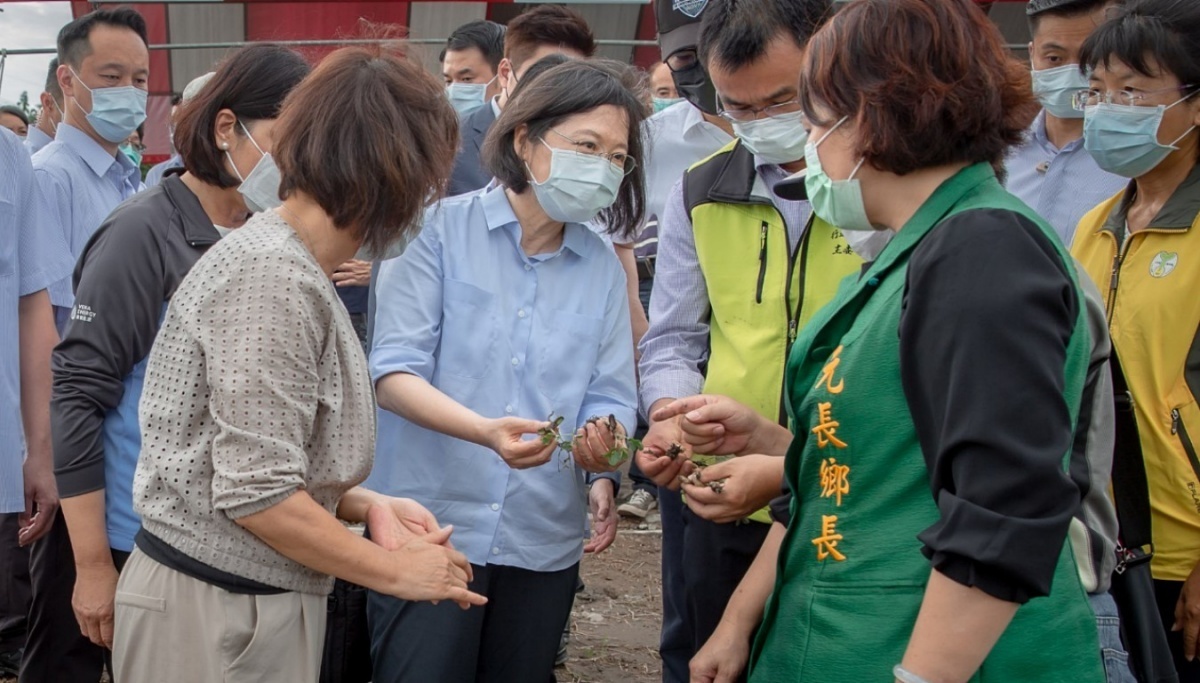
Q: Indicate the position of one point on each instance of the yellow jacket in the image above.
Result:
(1150, 281)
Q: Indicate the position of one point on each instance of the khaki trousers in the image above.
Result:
(171, 627)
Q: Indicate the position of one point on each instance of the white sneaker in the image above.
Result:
(639, 504)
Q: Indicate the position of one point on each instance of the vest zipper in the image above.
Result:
(793, 312)
(1177, 428)
(1115, 279)
(762, 262)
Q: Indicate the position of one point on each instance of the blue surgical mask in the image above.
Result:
(1123, 139)
(116, 112)
(260, 188)
(579, 186)
(775, 139)
(467, 97)
(1055, 87)
(837, 202)
(661, 103)
(132, 152)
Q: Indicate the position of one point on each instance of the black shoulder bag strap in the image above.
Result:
(1132, 586)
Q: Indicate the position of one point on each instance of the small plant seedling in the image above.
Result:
(693, 479)
(674, 451)
(622, 449)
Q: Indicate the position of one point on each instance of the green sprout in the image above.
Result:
(623, 447)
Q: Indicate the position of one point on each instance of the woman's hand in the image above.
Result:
(1187, 614)
(506, 436)
(601, 500)
(429, 570)
(392, 522)
(92, 601)
(722, 659)
(748, 483)
(719, 425)
(593, 442)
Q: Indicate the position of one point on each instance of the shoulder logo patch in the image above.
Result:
(1163, 263)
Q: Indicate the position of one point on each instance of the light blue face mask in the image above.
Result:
(1123, 139)
(579, 186)
(467, 97)
(1055, 87)
(661, 103)
(116, 112)
(837, 202)
(776, 139)
(259, 188)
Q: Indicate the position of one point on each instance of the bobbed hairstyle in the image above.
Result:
(560, 92)
(378, 153)
(252, 83)
(899, 69)
(1147, 35)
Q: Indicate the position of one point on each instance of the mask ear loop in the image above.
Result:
(856, 167)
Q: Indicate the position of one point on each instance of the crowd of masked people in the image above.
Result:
(898, 333)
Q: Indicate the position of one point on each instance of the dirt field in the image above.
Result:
(616, 618)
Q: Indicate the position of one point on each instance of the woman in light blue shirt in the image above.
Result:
(507, 310)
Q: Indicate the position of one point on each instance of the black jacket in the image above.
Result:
(469, 174)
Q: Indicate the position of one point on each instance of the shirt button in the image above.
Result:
(528, 267)
(495, 506)
(521, 313)
(515, 362)
(508, 409)
(495, 551)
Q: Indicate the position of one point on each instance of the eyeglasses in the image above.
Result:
(682, 60)
(620, 160)
(752, 113)
(1129, 98)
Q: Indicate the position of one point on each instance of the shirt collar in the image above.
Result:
(88, 149)
(498, 213)
(1038, 130)
(495, 104)
(37, 137)
(1179, 212)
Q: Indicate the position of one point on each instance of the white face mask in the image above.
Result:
(775, 139)
(259, 189)
(222, 231)
(579, 186)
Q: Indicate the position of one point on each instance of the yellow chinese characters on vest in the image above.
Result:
(835, 477)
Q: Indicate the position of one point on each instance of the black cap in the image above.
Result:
(1036, 7)
(792, 187)
(678, 24)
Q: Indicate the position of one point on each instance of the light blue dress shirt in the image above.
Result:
(31, 258)
(1060, 184)
(36, 140)
(155, 175)
(81, 184)
(504, 334)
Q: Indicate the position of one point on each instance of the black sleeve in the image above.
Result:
(988, 313)
(119, 294)
(781, 505)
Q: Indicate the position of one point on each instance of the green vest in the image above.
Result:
(851, 575)
(761, 291)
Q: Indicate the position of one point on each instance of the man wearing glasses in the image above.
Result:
(1051, 171)
(739, 271)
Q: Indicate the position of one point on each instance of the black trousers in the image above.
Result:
(1166, 593)
(14, 586)
(513, 639)
(715, 558)
(55, 649)
(675, 646)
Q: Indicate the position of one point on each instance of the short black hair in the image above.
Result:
(73, 43)
(1067, 10)
(736, 33)
(1147, 33)
(485, 36)
(252, 83)
(52, 85)
(176, 99)
(15, 111)
(574, 87)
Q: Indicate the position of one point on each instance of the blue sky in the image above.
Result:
(27, 25)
